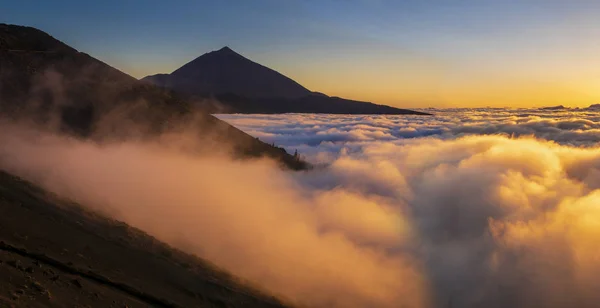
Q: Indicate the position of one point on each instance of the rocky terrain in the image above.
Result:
(53, 253)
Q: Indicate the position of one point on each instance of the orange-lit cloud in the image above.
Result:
(470, 222)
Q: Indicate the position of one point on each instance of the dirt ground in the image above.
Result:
(55, 254)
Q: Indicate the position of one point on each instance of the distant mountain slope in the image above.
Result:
(45, 81)
(307, 104)
(241, 85)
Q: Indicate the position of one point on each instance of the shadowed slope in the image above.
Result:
(58, 254)
(45, 81)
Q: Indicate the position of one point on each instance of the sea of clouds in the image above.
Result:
(317, 136)
(467, 208)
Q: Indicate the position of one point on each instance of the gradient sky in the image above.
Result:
(412, 53)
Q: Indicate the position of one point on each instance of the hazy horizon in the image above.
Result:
(409, 54)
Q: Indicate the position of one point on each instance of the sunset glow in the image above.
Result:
(402, 53)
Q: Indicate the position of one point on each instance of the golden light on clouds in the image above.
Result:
(476, 221)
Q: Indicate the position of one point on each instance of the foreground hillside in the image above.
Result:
(45, 81)
(226, 82)
(55, 254)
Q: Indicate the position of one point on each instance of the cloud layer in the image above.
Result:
(450, 220)
(321, 137)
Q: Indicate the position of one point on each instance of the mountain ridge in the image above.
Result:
(220, 74)
(45, 81)
(238, 84)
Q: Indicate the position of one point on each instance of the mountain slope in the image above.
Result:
(45, 81)
(53, 253)
(225, 71)
(241, 85)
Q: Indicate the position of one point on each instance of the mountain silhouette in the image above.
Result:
(45, 81)
(226, 81)
(225, 71)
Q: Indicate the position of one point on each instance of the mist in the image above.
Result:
(487, 221)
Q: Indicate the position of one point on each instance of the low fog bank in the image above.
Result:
(250, 218)
(474, 221)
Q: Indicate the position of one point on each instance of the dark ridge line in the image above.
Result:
(144, 297)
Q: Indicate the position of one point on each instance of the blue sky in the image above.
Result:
(411, 53)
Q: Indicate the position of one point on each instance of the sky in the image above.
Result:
(436, 53)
